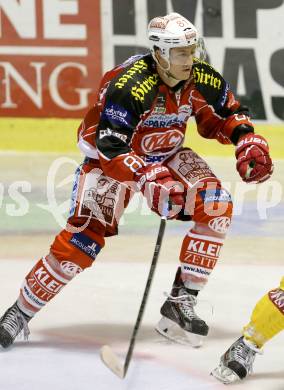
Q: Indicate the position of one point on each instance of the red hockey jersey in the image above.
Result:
(138, 119)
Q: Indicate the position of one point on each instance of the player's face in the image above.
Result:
(181, 60)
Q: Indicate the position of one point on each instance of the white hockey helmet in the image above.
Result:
(167, 32)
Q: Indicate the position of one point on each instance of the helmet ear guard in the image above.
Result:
(164, 53)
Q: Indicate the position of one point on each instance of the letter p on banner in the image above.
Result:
(269, 195)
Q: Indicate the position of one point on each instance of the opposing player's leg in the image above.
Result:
(210, 207)
(267, 320)
(97, 204)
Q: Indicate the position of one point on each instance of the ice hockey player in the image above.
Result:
(267, 320)
(133, 141)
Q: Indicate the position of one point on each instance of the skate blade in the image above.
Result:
(171, 331)
(225, 374)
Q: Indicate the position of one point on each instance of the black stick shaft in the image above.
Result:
(146, 293)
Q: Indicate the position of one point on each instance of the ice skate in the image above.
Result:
(180, 323)
(12, 323)
(237, 362)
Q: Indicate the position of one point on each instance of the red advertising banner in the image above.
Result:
(50, 57)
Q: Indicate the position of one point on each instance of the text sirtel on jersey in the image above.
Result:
(202, 77)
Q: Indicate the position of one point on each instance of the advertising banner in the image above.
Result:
(50, 57)
(244, 41)
(53, 52)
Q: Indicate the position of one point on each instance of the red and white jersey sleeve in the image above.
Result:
(217, 113)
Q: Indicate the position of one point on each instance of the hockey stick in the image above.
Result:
(107, 355)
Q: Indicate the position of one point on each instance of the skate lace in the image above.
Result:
(186, 303)
(244, 354)
(15, 323)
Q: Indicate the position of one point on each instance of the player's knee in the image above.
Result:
(76, 249)
(213, 205)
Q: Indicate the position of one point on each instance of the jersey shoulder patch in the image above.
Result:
(210, 84)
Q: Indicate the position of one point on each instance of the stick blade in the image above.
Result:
(112, 361)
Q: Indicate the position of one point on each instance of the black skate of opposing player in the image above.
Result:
(179, 314)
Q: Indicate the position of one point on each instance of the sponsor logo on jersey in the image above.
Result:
(85, 244)
(160, 105)
(216, 195)
(203, 77)
(277, 298)
(200, 260)
(160, 121)
(46, 280)
(70, 269)
(159, 110)
(116, 114)
(168, 120)
(194, 269)
(109, 132)
(137, 67)
(220, 224)
(142, 88)
(154, 159)
(29, 294)
(185, 111)
(158, 141)
(204, 247)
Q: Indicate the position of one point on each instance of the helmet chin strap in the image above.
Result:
(166, 70)
(170, 75)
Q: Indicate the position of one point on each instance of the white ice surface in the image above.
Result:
(100, 307)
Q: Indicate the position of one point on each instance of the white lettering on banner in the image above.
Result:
(11, 73)
(53, 87)
(15, 10)
(49, 51)
(36, 94)
(53, 28)
(39, 40)
(22, 15)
